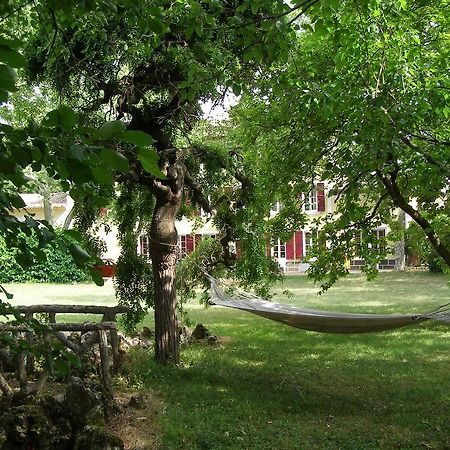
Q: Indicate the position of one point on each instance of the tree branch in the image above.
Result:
(7, 16)
(394, 192)
(427, 157)
(431, 140)
(197, 194)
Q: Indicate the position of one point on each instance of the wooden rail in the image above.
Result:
(100, 335)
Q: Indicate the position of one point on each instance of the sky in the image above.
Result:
(220, 111)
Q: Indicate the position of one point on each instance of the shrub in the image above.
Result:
(58, 268)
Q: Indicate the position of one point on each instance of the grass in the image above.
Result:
(269, 386)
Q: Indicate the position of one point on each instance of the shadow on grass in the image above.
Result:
(274, 387)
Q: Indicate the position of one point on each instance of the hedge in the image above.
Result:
(59, 267)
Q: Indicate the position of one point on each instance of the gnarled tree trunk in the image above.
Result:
(163, 252)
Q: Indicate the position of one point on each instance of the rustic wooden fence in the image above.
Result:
(106, 328)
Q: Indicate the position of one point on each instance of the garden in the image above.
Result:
(199, 140)
(264, 385)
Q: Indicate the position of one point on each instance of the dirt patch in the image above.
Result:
(137, 427)
(224, 340)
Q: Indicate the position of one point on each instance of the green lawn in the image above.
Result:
(269, 386)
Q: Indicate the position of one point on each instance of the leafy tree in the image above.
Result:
(147, 66)
(362, 103)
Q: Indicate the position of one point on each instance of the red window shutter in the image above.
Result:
(290, 249)
(298, 245)
(189, 244)
(320, 197)
(198, 238)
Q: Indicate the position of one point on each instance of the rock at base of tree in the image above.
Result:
(200, 332)
(183, 334)
(92, 437)
(146, 333)
(212, 340)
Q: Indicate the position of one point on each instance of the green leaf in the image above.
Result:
(115, 159)
(3, 95)
(17, 201)
(24, 260)
(138, 138)
(79, 255)
(12, 57)
(45, 237)
(149, 160)
(74, 234)
(237, 89)
(110, 129)
(11, 43)
(7, 78)
(102, 174)
(156, 25)
(96, 276)
(63, 117)
(9, 296)
(155, 11)
(79, 152)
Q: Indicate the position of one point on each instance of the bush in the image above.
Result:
(59, 267)
(435, 262)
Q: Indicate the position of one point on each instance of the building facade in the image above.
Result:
(290, 255)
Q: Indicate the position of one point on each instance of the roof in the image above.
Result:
(36, 201)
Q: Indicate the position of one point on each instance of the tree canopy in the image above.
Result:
(130, 77)
(362, 104)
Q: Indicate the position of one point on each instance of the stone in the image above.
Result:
(200, 332)
(146, 333)
(28, 427)
(92, 437)
(212, 340)
(86, 337)
(81, 397)
(183, 334)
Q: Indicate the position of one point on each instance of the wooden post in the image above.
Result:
(104, 359)
(29, 337)
(110, 316)
(22, 371)
(48, 356)
(5, 387)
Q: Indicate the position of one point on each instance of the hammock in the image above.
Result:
(317, 320)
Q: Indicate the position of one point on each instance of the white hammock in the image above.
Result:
(317, 320)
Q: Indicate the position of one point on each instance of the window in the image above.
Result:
(310, 200)
(182, 244)
(144, 249)
(279, 249)
(309, 242)
(276, 207)
(381, 244)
